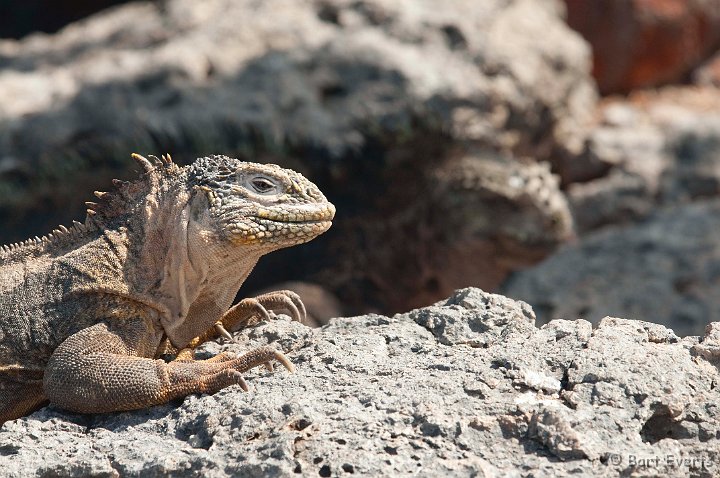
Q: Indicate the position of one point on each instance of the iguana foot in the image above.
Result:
(251, 311)
(71, 378)
(213, 375)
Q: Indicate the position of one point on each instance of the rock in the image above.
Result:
(473, 219)
(434, 391)
(451, 325)
(329, 76)
(650, 151)
(709, 346)
(641, 43)
(663, 270)
(617, 179)
(368, 98)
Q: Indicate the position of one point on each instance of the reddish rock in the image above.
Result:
(641, 43)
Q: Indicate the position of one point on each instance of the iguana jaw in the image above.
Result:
(283, 226)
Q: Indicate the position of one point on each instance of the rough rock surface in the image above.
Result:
(473, 219)
(368, 98)
(647, 152)
(467, 387)
(641, 43)
(664, 270)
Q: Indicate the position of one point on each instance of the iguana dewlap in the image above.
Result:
(86, 312)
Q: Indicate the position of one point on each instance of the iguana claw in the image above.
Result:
(250, 311)
(222, 331)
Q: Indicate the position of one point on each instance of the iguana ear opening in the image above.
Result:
(211, 200)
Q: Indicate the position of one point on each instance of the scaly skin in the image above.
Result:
(86, 312)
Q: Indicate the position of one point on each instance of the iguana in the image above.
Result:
(87, 312)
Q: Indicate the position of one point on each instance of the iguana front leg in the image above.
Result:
(250, 311)
(107, 367)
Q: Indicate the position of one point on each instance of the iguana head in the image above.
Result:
(262, 207)
(259, 205)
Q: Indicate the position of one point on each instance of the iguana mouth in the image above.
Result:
(298, 214)
(294, 225)
(262, 220)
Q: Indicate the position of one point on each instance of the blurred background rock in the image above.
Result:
(563, 153)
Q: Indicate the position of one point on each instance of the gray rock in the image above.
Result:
(467, 387)
(473, 219)
(653, 150)
(316, 77)
(368, 98)
(663, 270)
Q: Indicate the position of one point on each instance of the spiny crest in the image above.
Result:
(58, 237)
(154, 163)
(114, 203)
(110, 204)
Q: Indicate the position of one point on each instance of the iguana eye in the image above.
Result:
(262, 185)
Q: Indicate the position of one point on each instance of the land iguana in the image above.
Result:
(87, 312)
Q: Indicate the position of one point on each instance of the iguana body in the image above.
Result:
(85, 312)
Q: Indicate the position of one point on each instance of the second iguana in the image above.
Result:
(86, 312)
